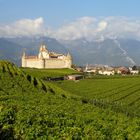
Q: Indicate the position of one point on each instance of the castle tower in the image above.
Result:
(69, 56)
(23, 59)
(43, 52)
(69, 60)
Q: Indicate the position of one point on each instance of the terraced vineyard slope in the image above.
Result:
(33, 109)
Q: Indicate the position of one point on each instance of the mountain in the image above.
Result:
(132, 47)
(113, 52)
(32, 44)
(12, 48)
(10, 51)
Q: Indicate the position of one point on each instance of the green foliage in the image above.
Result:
(28, 112)
(41, 73)
(122, 94)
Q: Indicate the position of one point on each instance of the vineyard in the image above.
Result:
(41, 73)
(122, 92)
(31, 108)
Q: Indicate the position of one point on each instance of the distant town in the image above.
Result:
(108, 70)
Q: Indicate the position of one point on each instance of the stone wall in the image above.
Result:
(46, 63)
(57, 63)
(37, 63)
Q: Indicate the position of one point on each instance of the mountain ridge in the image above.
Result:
(108, 51)
(114, 52)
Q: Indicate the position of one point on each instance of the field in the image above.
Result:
(124, 92)
(31, 108)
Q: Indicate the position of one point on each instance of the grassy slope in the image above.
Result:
(28, 111)
(41, 73)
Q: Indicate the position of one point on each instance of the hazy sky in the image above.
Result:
(57, 12)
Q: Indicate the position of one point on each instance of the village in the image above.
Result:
(109, 70)
(91, 71)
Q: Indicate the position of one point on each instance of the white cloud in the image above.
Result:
(24, 27)
(86, 27)
(99, 28)
(102, 26)
(123, 27)
(89, 28)
(74, 30)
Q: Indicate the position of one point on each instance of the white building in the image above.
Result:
(46, 59)
(105, 72)
(133, 72)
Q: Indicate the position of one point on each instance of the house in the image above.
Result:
(132, 71)
(80, 69)
(74, 77)
(123, 70)
(106, 72)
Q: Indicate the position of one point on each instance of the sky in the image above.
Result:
(65, 18)
(57, 12)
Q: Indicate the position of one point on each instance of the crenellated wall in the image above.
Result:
(46, 63)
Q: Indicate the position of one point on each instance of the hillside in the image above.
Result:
(43, 73)
(30, 109)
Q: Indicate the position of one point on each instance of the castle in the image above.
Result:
(46, 59)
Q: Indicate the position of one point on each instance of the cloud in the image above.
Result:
(89, 28)
(102, 26)
(122, 27)
(74, 30)
(85, 27)
(99, 28)
(24, 27)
